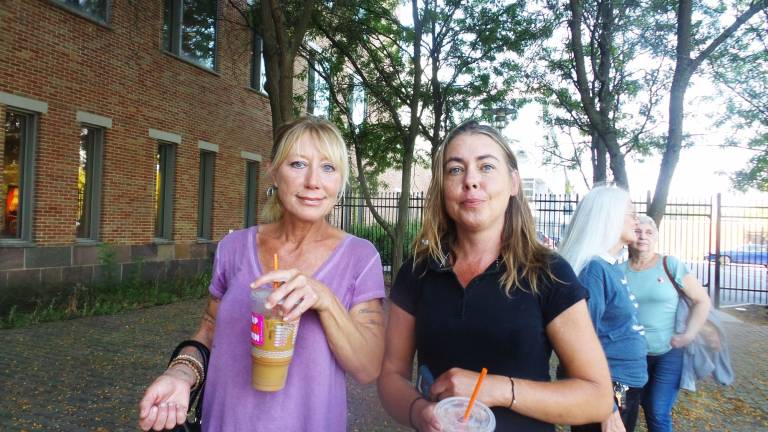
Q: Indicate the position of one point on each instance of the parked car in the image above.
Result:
(751, 253)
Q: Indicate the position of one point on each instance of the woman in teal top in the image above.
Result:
(657, 299)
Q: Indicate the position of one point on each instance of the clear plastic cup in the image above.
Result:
(272, 342)
(450, 413)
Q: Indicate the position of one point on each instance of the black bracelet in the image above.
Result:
(410, 411)
(514, 400)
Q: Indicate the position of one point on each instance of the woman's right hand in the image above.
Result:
(423, 416)
(613, 423)
(164, 404)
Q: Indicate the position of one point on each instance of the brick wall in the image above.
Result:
(120, 71)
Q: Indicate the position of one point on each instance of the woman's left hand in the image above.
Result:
(681, 340)
(456, 382)
(297, 293)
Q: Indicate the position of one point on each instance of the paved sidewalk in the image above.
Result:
(88, 375)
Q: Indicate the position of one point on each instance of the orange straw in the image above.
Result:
(275, 284)
(483, 373)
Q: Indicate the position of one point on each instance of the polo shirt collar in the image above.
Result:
(446, 266)
(610, 259)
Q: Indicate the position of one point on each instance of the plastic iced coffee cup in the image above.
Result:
(450, 413)
(272, 341)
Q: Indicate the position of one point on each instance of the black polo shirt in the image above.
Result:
(481, 327)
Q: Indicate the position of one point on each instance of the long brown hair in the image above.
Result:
(521, 251)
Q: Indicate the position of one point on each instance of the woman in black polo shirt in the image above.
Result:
(459, 305)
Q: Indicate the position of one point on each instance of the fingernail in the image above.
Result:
(253, 285)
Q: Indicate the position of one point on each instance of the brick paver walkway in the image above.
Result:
(88, 375)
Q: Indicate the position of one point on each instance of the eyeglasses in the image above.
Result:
(645, 233)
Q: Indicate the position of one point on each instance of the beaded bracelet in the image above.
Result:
(514, 400)
(191, 362)
(410, 412)
(191, 366)
(194, 361)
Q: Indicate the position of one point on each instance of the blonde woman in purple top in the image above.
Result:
(332, 281)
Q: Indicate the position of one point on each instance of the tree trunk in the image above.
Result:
(599, 160)
(410, 143)
(618, 167)
(598, 116)
(685, 67)
(280, 49)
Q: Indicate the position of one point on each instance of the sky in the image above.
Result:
(703, 169)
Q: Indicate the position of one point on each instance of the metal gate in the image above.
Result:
(725, 245)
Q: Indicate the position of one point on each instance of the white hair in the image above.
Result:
(647, 220)
(595, 226)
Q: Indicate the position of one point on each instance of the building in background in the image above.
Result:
(140, 124)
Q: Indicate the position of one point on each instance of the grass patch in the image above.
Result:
(107, 299)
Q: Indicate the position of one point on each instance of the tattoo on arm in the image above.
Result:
(207, 316)
(370, 311)
(209, 319)
(371, 317)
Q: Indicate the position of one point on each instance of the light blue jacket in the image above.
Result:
(698, 360)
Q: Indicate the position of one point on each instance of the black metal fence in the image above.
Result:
(353, 216)
(724, 244)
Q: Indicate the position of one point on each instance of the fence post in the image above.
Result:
(718, 228)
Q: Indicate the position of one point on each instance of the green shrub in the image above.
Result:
(107, 297)
(376, 235)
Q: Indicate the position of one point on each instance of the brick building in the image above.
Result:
(139, 124)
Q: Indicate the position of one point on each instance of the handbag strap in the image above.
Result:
(205, 353)
(680, 292)
(195, 410)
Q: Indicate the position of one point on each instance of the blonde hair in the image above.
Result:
(330, 143)
(523, 255)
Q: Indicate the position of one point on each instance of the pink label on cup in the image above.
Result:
(257, 329)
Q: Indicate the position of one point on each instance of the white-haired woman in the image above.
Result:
(602, 225)
(329, 279)
(481, 291)
(657, 298)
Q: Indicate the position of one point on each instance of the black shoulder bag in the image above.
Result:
(195, 411)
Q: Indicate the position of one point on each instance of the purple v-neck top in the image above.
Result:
(314, 397)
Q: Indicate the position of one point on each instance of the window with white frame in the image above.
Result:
(164, 174)
(96, 9)
(251, 192)
(258, 66)
(190, 30)
(16, 176)
(318, 91)
(205, 195)
(89, 183)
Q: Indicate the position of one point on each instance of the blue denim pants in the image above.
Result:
(660, 393)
